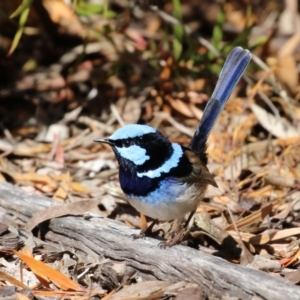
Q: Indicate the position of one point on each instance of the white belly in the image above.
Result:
(169, 201)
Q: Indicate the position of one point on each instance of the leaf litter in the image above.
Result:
(253, 152)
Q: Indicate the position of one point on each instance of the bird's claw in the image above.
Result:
(144, 233)
(141, 235)
(176, 239)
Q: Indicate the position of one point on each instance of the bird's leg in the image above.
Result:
(147, 232)
(179, 235)
(189, 218)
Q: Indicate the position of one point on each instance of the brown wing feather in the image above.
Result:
(200, 173)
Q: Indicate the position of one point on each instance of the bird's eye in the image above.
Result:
(127, 143)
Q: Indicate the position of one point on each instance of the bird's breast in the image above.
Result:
(131, 184)
(172, 199)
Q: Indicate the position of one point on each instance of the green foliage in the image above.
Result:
(21, 8)
(85, 8)
(178, 30)
(23, 12)
(241, 40)
(217, 36)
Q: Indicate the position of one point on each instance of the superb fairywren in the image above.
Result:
(165, 180)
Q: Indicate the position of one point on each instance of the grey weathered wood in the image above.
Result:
(101, 236)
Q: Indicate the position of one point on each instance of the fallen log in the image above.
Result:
(99, 236)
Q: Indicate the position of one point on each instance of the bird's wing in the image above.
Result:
(200, 173)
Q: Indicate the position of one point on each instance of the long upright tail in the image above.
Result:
(233, 69)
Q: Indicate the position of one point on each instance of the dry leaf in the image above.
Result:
(22, 297)
(41, 269)
(36, 178)
(75, 208)
(62, 192)
(181, 107)
(6, 277)
(278, 127)
(143, 222)
(291, 259)
(255, 217)
(148, 290)
(287, 73)
(79, 188)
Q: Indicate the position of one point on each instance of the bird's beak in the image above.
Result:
(105, 141)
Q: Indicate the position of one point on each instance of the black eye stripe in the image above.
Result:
(125, 143)
(131, 141)
(157, 147)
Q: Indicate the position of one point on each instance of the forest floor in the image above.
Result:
(71, 73)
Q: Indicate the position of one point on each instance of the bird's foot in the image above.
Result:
(144, 233)
(176, 239)
(148, 232)
(141, 235)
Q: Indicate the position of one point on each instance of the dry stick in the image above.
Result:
(189, 132)
(276, 86)
(247, 254)
(116, 114)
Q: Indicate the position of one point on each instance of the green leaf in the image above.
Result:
(258, 42)
(178, 32)
(177, 12)
(177, 49)
(18, 35)
(177, 29)
(23, 6)
(86, 9)
(217, 36)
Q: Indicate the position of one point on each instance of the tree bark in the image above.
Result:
(101, 236)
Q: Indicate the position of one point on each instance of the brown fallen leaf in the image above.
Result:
(35, 178)
(43, 279)
(22, 297)
(41, 269)
(255, 217)
(290, 260)
(180, 106)
(69, 293)
(63, 16)
(286, 69)
(143, 222)
(246, 256)
(6, 277)
(280, 181)
(149, 290)
(264, 238)
(78, 187)
(75, 208)
(61, 193)
(25, 150)
(279, 127)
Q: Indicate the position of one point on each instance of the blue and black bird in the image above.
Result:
(165, 180)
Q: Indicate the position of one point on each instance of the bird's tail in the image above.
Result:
(233, 69)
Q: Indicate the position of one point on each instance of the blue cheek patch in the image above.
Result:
(134, 153)
(132, 131)
(172, 162)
